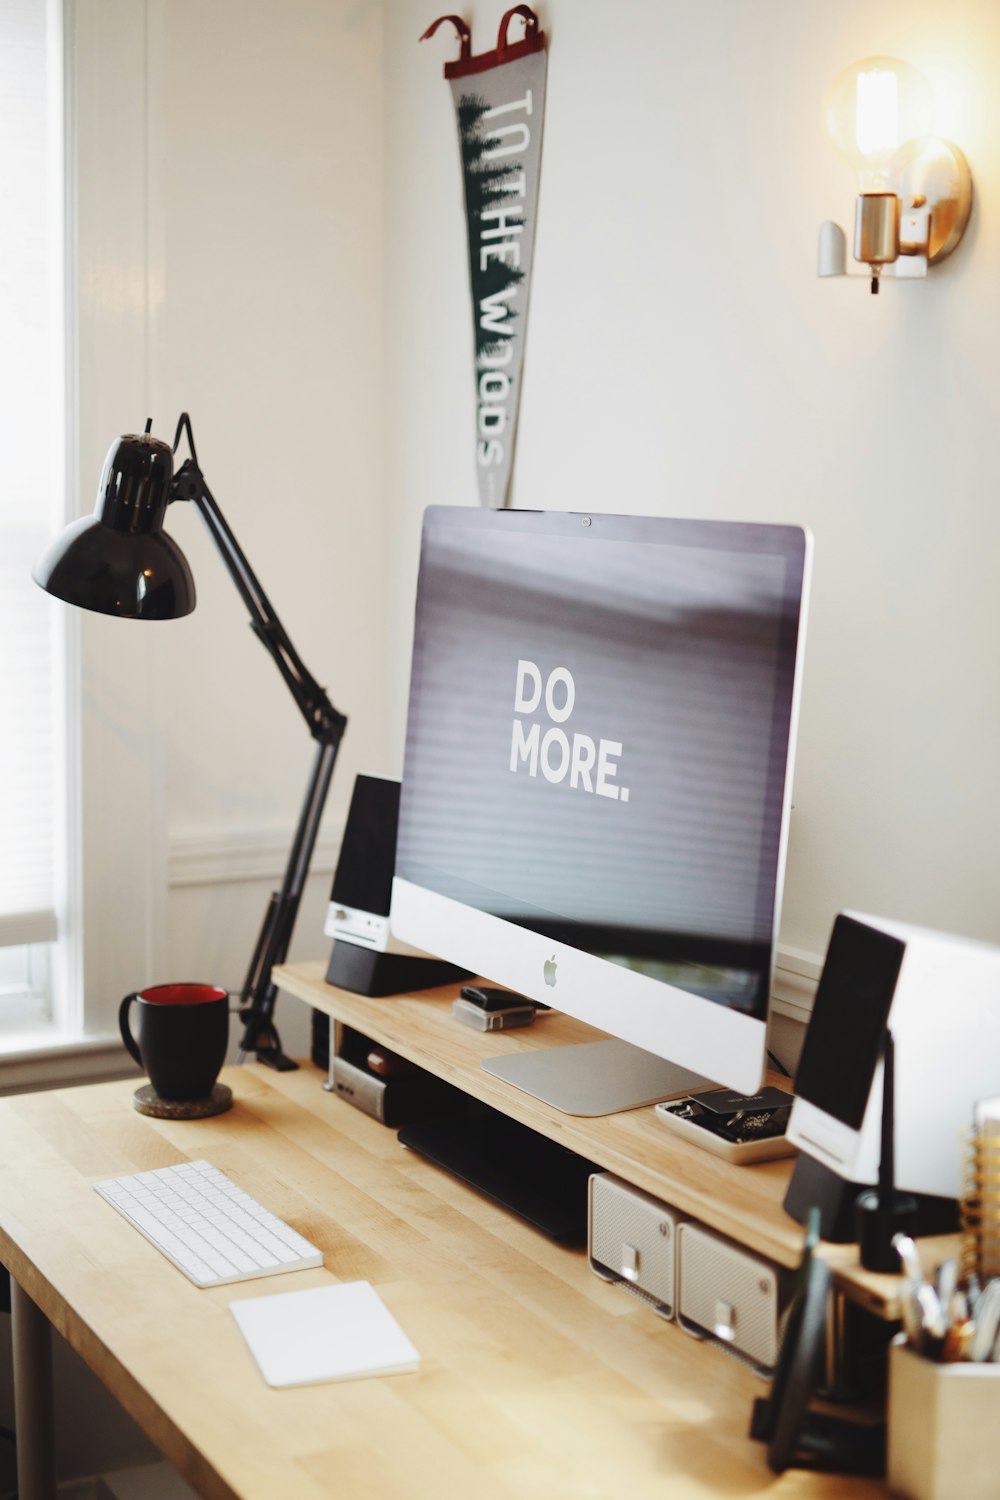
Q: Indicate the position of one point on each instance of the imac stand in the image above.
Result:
(595, 1078)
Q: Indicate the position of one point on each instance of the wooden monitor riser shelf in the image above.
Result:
(744, 1202)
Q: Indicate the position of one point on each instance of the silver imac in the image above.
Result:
(597, 780)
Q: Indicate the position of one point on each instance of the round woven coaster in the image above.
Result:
(148, 1102)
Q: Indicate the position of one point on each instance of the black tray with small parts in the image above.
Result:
(738, 1128)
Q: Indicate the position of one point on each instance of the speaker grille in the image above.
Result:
(633, 1239)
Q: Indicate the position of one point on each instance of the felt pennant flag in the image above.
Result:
(499, 103)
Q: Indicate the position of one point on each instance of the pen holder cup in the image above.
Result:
(942, 1427)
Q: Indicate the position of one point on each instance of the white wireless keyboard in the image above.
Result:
(212, 1230)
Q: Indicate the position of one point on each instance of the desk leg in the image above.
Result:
(33, 1411)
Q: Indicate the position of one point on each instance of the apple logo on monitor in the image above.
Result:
(549, 972)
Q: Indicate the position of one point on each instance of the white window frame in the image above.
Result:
(115, 897)
(46, 1008)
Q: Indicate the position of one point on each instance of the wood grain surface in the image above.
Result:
(744, 1202)
(537, 1378)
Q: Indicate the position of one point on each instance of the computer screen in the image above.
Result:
(597, 770)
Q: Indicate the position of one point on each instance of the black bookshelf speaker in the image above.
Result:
(367, 958)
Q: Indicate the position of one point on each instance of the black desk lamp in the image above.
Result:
(120, 562)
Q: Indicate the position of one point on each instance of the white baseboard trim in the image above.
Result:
(213, 857)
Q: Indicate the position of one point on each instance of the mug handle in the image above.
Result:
(126, 1030)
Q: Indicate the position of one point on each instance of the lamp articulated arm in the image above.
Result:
(326, 725)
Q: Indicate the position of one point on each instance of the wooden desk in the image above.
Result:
(537, 1378)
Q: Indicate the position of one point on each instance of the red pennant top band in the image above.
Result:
(465, 35)
(532, 41)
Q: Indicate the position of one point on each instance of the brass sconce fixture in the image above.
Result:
(915, 190)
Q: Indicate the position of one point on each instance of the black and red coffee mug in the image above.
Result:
(181, 1036)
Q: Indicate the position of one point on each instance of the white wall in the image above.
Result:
(298, 283)
(682, 358)
(230, 255)
(271, 337)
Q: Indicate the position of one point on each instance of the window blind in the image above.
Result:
(31, 441)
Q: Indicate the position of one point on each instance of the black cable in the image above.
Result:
(779, 1067)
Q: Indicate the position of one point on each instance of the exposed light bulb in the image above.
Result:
(914, 191)
(876, 114)
(871, 109)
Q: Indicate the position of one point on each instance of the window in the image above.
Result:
(33, 646)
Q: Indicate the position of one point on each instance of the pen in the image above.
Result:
(987, 1323)
(924, 1314)
(905, 1247)
(958, 1338)
(946, 1280)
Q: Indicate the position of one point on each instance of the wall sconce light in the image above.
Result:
(915, 190)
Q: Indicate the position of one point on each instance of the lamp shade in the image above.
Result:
(119, 561)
